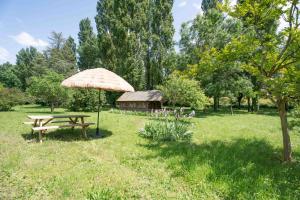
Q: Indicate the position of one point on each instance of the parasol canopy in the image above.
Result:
(98, 78)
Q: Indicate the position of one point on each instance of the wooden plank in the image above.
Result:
(30, 123)
(61, 126)
(39, 116)
(49, 120)
(72, 125)
(55, 116)
(44, 128)
(68, 116)
(62, 121)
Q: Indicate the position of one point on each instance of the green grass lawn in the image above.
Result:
(229, 157)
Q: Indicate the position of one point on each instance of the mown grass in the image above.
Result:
(229, 157)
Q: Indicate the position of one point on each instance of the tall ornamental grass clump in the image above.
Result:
(166, 130)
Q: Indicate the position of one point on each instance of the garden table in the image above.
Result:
(39, 122)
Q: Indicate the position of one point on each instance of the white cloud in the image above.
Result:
(197, 6)
(27, 40)
(182, 4)
(4, 55)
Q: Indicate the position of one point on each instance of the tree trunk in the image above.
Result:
(257, 103)
(287, 148)
(248, 102)
(254, 104)
(215, 103)
(52, 107)
(148, 72)
(240, 97)
(231, 109)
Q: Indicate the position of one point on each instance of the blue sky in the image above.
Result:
(24, 23)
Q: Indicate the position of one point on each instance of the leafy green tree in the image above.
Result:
(26, 65)
(86, 100)
(220, 77)
(135, 39)
(88, 47)
(47, 89)
(62, 54)
(201, 41)
(120, 26)
(209, 4)
(8, 76)
(182, 91)
(269, 53)
(159, 40)
(212, 30)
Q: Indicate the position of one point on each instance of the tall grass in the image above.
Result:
(166, 130)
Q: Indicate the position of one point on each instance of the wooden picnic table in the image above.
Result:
(39, 122)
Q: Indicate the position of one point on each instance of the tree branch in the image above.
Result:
(288, 41)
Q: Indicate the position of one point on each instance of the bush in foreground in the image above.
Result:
(166, 131)
(10, 97)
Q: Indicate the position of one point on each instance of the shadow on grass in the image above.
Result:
(246, 167)
(68, 135)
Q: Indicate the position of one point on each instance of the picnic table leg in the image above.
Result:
(40, 136)
(34, 125)
(83, 128)
(73, 122)
(40, 132)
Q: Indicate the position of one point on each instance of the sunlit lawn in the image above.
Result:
(229, 157)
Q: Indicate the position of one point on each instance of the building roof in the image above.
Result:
(150, 95)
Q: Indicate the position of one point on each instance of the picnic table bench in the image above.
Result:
(39, 123)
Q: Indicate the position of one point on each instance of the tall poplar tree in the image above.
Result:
(159, 40)
(88, 47)
(135, 39)
(120, 38)
(209, 4)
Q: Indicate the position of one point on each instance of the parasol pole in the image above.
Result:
(97, 130)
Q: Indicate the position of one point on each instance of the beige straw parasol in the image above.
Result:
(98, 78)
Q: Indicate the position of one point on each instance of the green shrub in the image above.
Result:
(179, 90)
(10, 97)
(85, 100)
(47, 89)
(166, 130)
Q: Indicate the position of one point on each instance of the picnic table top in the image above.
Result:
(54, 116)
